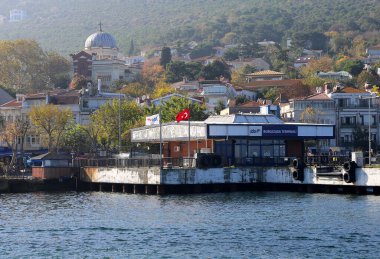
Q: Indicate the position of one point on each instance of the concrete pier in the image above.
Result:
(194, 180)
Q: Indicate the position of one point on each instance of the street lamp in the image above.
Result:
(369, 123)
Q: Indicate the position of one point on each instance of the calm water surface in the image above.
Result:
(225, 225)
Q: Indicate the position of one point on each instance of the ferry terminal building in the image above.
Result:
(239, 139)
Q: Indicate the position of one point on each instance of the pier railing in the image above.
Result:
(166, 162)
(326, 160)
(185, 162)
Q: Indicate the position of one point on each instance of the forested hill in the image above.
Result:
(63, 25)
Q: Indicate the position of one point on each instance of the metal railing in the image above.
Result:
(326, 160)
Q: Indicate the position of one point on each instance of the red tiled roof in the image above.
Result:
(318, 96)
(349, 90)
(271, 83)
(376, 47)
(13, 103)
(250, 104)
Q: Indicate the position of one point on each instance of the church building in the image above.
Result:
(101, 59)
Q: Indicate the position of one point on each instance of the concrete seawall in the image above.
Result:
(367, 180)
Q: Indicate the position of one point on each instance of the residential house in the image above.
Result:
(163, 99)
(373, 53)
(316, 108)
(258, 63)
(4, 96)
(16, 15)
(340, 75)
(82, 103)
(215, 93)
(287, 88)
(247, 107)
(302, 61)
(264, 75)
(354, 108)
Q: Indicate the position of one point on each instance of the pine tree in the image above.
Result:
(131, 48)
(166, 56)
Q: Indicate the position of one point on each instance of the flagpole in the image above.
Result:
(188, 146)
(160, 121)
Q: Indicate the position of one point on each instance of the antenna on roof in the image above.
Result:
(100, 26)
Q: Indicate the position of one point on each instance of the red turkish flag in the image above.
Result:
(183, 115)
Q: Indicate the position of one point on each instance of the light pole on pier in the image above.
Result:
(369, 98)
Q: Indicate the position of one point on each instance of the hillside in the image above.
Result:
(64, 25)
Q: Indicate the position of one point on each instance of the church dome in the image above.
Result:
(100, 39)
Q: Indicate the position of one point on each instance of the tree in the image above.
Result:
(76, 139)
(162, 89)
(240, 99)
(107, 119)
(271, 93)
(231, 54)
(131, 50)
(215, 70)
(352, 66)
(152, 73)
(324, 64)
(52, 121)
(57, 69)
(238, 76)
(171, 108)
(366, 77)
(178, 70)
(166, 56)
(360, 138)
(78, 82)
(310, 115)
(25, 67)
(13, 134)
(135, 89)
(219, 106)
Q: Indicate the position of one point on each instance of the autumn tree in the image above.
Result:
(162, 89)
(52, 121)
(13, 134)
(310, 115)
(78, 82)
(25, 67)
(238, 76)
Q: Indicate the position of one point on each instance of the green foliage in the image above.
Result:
(177, 70)
(25, 67)
(201, 51)
(207, 20)
(219, 106)
(131, 50)
(240, 99)
(360, 138)
(171, 108)
(231, 54)
(352, 66)
(271, 93)
(107, 120)
(166, 56)
(76, 139)
(215, 70)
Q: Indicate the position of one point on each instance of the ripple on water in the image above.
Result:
(224, 225)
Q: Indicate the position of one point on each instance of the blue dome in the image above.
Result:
(100, 40)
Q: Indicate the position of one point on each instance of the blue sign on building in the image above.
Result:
(280, 131)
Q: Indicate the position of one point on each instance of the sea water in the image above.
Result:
(222, 225)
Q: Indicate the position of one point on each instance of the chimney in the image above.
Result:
(47, 98)
(327, 89)
(99, 85)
